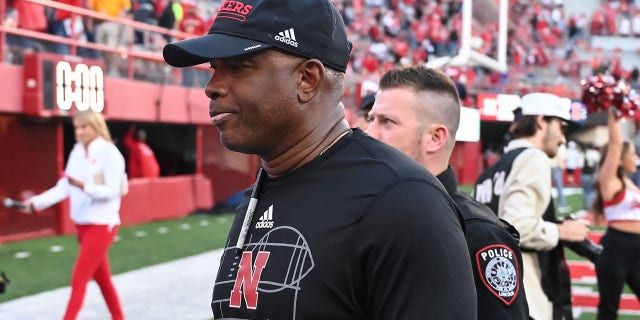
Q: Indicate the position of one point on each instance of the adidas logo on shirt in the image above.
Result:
(288, 37)
(266, 220)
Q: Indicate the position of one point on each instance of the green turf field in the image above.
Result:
(43, 264)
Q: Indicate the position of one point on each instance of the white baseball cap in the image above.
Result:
(545, 104)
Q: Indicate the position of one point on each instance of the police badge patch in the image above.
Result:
(498, 269)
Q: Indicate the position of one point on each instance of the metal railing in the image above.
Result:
(129, 53)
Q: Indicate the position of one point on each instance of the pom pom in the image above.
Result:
(601, 92)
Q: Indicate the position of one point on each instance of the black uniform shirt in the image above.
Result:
(495, 257)
(347, 236)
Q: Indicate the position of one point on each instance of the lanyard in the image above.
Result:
(248, 215)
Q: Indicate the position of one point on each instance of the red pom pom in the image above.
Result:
(602, 92)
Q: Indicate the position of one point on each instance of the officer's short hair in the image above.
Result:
(419, 78)
(423, 79)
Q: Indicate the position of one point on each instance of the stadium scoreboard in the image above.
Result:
(56, 85)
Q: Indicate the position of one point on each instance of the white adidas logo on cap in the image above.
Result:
(287, 36)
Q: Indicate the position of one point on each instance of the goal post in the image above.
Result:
(467, 55)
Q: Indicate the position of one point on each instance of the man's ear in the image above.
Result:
(435, 138)
(540, 122)
(311, 77)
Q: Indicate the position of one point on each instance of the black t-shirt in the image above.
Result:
(495, 257)
(347, 236)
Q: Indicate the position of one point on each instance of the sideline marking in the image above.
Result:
(22, 255)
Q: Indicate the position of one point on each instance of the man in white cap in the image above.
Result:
(518, 189)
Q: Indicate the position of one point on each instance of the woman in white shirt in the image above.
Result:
(93, 180)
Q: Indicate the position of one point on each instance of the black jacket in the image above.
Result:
(495, 257)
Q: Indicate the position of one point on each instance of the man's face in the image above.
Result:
(394, 121)
(554, 136)
(254, 102)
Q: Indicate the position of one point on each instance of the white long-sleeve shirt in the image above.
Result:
(527, 192)
(526, 195)
(102, 171)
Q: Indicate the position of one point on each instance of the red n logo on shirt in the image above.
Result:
(248, 277)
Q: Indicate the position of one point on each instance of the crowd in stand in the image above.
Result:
(184, 16)
(385, 33)
(616, 18)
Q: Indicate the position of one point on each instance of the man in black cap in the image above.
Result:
(418, 112)
(340, 230)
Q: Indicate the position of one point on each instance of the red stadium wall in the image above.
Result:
(229, 171)
(143, 101)
(135, 206)
(11, 88)
(34, 171)
(125, 99)
(466, 159)
(32, 154)
(151, 199)
(29, 164)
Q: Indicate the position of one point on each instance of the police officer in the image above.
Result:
(418, 112)
(518, 189)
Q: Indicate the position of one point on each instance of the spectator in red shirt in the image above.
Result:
(194, 24)
(597, 23)
(30, 17)
(159, 6)
(57, 25)
(141, 161)
(610, 16)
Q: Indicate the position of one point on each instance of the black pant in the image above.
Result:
(619, 263)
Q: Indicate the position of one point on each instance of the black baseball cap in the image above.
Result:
(367, 102)
(309, 28)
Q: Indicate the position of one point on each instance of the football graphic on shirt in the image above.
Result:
(273, 265)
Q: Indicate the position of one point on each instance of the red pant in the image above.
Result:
(93, 262)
